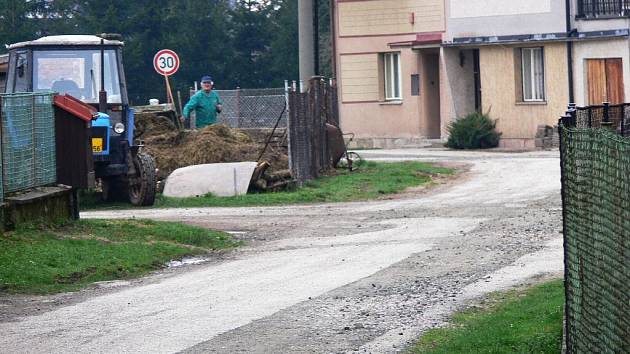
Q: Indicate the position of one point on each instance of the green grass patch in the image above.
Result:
(70, 256)
(527, 321)
(373, 180)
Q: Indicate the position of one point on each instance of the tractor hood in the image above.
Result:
(87, 40)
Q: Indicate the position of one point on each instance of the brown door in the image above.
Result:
(605, 81)
(614, 81)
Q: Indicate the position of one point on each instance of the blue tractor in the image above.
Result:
(90, 68)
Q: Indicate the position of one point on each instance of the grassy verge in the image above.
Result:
(68, 257)
(372, 180)
(515, 322)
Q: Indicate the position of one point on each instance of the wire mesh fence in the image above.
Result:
(617, 117)
(309, 153)
(253, 108)
(596, 206)
(28, 141)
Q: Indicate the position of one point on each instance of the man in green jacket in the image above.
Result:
(206, 103)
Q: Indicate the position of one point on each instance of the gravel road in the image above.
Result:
(337, 278)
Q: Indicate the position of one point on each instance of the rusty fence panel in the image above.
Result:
(309, 111)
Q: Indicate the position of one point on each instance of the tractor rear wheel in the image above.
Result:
(142, 185)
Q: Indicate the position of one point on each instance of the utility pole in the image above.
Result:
(307, 39)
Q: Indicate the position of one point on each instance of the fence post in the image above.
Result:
(325, 119)
(286, 94)
(606, 123)
(239, 119)
(573, 114)
(313, 90)
(33, 139)
(2, 175)
(290, 133)
(191, 122)
(567, 293)
(307, 132)
(623, 121)
(335, 102)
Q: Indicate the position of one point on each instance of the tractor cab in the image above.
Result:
(90, 68)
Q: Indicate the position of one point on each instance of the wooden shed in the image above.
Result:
(73, 122)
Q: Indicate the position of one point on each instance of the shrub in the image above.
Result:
(475, 131)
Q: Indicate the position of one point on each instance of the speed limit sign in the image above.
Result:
(166, 62)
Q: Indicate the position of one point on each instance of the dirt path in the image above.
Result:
(365, 277)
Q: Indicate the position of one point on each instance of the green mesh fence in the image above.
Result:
(28, 141)
(596, 198)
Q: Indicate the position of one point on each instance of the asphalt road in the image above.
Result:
(352, 277)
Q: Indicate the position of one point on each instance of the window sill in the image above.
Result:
(391, 103)
(532, 103)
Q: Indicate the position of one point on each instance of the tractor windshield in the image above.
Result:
(76, 72)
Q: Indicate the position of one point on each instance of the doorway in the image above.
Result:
(605, 81)
(477, 80)
(431, 89)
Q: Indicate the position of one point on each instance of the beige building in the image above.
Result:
(388, 69)
(519, 65)
(408, 68)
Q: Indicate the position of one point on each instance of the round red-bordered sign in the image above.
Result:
(166, 62)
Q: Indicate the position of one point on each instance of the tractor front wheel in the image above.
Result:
(142, 184)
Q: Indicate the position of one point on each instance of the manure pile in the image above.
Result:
(173, 149)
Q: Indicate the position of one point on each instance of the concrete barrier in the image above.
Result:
(220, 179)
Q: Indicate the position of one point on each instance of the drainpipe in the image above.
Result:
(570, 52)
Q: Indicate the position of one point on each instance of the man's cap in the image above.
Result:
(206, 78)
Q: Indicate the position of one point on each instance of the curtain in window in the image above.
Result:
(388, 77)
(396, 73)
(527, 75)
(539, 75)
(533, 74)
(392, 76)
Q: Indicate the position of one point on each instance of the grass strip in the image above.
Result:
(528, 321)
(70, 256)
(373, 180)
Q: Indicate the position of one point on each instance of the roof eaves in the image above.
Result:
(420, 40)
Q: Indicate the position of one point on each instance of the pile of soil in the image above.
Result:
(173, 149)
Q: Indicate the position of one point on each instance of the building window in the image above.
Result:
(393, 89)
(533, 74)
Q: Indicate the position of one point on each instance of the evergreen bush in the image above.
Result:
(475, 131)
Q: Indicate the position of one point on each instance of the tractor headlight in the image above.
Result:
(119, 128)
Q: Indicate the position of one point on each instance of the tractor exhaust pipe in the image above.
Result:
(102, 94)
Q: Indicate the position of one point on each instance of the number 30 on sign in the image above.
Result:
(166, 62)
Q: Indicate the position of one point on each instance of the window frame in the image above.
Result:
(530, 51)
(392, 82)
